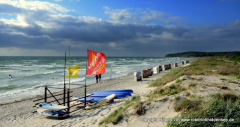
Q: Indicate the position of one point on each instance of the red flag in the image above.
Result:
(96, 63)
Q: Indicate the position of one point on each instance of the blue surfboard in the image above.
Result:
(120, 90)
(52, 113)
(105, 94)
(112, 92)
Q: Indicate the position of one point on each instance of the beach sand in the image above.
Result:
(20, 113)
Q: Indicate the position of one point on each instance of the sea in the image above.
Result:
(31, 73)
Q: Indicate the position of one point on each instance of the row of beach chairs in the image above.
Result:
(138, 76)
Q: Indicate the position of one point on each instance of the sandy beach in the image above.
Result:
(20, 113)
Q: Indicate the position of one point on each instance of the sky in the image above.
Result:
(149, 28)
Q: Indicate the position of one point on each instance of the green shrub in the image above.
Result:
(116, 115)
(186, 105)
(219, 106)
(170, 90)
(223, 87)
(192, 85)
(167, 77)
(178, 81)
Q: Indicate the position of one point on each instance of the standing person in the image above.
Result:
(99, 77)
(96, 78)
(10, 76)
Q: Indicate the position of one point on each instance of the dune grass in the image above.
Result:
(192, 85)
(117, 114)
(201, 66)
(219, 106)
(205, 65)
(186, 105)
(170, 90)
(167, 77)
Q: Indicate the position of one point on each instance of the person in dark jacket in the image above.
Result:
(96, 78)
(99, 76)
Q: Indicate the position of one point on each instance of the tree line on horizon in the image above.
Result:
(201, 54)
(231, 56)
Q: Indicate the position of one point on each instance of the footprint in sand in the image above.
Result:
(93, 121)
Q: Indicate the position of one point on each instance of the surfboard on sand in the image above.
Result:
(119, 90)
(51, 106)
(101, 102)
(111, 92)
(48, 112)
(118, 95)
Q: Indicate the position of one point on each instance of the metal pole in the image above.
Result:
(64, 94)
(45, 94)
(68, 97)
(85, 90)
(69, 69)
(64, 91)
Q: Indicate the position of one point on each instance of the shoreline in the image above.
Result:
(55, 91)
(12, 100)
(29, 81)
(19, 113)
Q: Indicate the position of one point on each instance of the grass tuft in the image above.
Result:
(223, 87)
(201, 66)
(186, 105)
(219, 106)
(192, 85)
(169, 90)
(167, 77)
(178, 81)
(117, 114)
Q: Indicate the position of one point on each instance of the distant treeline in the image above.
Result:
(201, 54)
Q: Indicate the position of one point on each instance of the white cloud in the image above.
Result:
(36, 5)
(138, 15)
(42, 26)
(119, 14)
(88, 19)
(167, 35)
(112, 44)
(29, 13)
(20, 21)
(106, 8)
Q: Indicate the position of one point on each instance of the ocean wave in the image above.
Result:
(8, 87)
(37, 72)
(11, 87)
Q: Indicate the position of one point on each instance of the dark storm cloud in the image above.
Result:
(231, 30)
(50, 30)
(9, 9)
(18, 40)
(102, 31)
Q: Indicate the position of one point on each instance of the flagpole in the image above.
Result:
(85, 90)
(69, 69)
(64, 96)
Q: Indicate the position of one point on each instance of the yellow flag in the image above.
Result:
(73, 71)
(74, 67)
